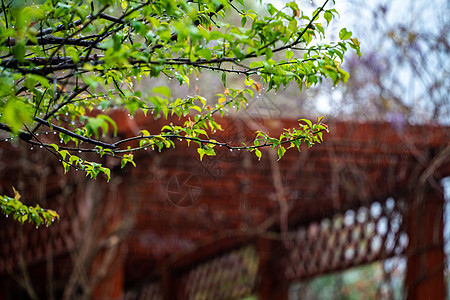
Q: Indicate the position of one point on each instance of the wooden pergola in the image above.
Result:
(231, 226)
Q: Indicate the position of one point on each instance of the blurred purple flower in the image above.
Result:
(397, 121)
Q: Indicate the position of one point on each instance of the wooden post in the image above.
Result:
(111, 286)
(426, 257)
(272, 281)
(172, 285)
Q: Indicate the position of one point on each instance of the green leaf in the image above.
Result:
(307, 122)
(269, 53)
(289, 54)
(344, 34)
(19, 51)
(255, 64)
(243, 21)
(32, 79)
(201, 151)
(162, 90)
(281, 151)
(205, 53)
(328, 16)
(15, 114)
(64, 154)
(344, 75)
(54, 147)
(93, 124)
(258, 154)
(127, 158)
(132, 107)
(107, 172)
(210, 151)
(355, 45)
(110, 121)
(224, 79)
(271, 9)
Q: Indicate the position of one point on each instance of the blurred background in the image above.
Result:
(401, 79)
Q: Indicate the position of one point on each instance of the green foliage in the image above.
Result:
(60, 61)
(23, 213)
(291, 138)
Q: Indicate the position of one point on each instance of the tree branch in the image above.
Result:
(74, 135)
(71, 97)
(52, 40)
(24, 136)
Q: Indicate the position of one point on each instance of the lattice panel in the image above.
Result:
(229, 276)
(150, 291)
(365, 235)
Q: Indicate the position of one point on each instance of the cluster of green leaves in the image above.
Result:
(290, 138)
(22, 213)
(69, 160)
(59, 61)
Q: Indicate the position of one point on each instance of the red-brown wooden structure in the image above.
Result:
(232, 226)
